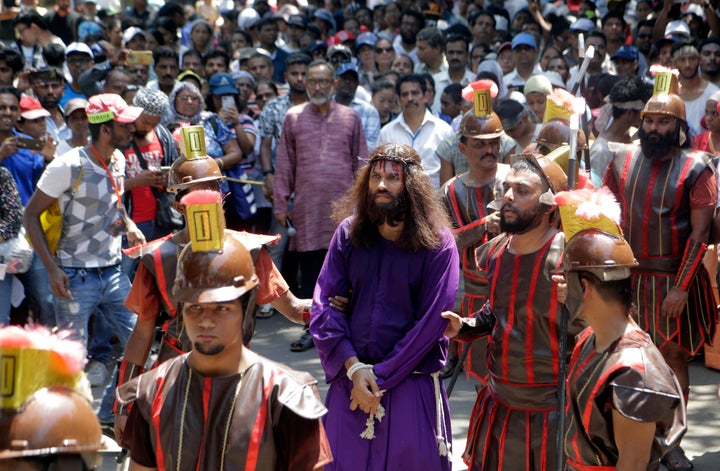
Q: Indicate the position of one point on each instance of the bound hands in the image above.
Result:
(365, 393)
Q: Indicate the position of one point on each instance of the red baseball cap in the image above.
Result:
(111, 107)
(30, 108)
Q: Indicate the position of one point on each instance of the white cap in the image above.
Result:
(130, 34)
(76, 47)
(678, 27)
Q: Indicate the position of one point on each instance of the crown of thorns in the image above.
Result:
(393, 154)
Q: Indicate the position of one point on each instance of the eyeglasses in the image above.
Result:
(322, 83)
(21, 31)
(644, 36)
(189, 99)
(380, 50)
(78, 61)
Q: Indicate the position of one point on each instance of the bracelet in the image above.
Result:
(219, 162)
(357, 367)
(268, 172)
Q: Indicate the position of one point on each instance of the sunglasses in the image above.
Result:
(380, 50)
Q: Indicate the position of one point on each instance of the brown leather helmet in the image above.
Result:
(187, 172)
(214, 277)
(556, 133)
(55, 420)
(552, 172)
(480, 127)
(664, 103)
(605, 255)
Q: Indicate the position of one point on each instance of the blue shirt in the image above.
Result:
(26, 167)
(69, 94)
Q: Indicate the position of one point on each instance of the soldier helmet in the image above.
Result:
(551, 171)
(480, 127)
(667, 104)
(605, 255)
(556, 133)
(54, 421)
(215, 276)
(187, 172)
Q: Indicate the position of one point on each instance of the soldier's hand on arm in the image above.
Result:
(454, 325)
(339, 303)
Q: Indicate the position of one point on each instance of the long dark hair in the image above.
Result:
(425, 218)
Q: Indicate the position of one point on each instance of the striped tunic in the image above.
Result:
(631, 377)
(265, 418)
(657, 198)
(514, 421)
(467, 207)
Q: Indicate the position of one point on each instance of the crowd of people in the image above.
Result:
(367, 169)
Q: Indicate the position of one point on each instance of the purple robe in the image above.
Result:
(393, 323)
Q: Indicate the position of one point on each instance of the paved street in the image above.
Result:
(702, 443)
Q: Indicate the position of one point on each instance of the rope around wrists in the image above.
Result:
(357, 367)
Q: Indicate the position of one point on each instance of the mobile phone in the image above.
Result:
(32, 144)
(228, 102)
(140, 58)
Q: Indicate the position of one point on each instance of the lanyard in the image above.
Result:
(112, 180)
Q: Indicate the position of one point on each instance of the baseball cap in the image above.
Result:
(45, 74)
(524, 39)
(30, 108)
(189, 73)
(297, 20)
(342, 36)
(222, 84)
(504, 46)
(78, 48)
(111, 107)
(366, 39)
(538, 83)
(510, 113)
(431, 10)
(583, 24)
(347, 67)
(325, 15)
(626, 52)
(74, 105)
(130, 34)
(315, 45)
(339, 49)
(246, 53)
(677, 28)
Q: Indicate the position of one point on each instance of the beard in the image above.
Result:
(524, 222)
(408, 37)
(211, 350)
(391, 213)
(655, 145)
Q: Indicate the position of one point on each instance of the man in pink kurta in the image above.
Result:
(320, 148)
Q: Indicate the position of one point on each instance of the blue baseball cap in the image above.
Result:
(366, 39)
(222, 84)
(524, 39)
(626, 52)
(347, 67)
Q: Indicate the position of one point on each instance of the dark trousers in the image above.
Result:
(310, 264)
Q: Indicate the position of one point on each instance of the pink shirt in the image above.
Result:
(317, 158)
